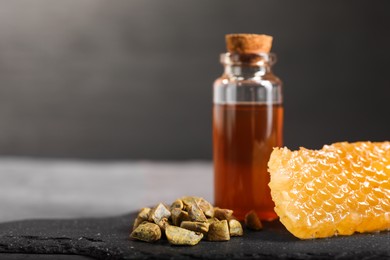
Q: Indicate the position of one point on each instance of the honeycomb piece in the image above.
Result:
(338, 190)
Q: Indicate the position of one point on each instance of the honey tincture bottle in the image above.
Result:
(247, 124)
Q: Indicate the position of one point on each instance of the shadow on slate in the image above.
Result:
(107, 238)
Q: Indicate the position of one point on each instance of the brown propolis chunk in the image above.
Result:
(211, 220)
(196, 214)
(181, 236)
(235, 228)
(142, 216)
(202, 227)
(148, 232)
(178, 216)
(248, 43)
(219, 231)
(188, 201)
(222, 214)
(138, 222)
(206, 207)
(144, 213)
(177, 204)
(163, 223)
(159, 212)
(252, 221)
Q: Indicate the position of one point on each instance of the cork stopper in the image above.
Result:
(248, 43)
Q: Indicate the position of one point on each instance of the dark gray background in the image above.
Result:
(132, 79)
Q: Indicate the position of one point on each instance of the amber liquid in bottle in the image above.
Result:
(243, 136)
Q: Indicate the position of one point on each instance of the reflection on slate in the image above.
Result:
(108, 238)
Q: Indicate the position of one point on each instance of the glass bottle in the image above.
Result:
(247, 124)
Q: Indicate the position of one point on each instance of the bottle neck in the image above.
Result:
(247, 65)
(246, 71)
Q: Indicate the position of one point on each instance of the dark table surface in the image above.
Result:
(107, 238)
(78, 208)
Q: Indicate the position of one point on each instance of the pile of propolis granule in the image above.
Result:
(338, 190)
(188, 220)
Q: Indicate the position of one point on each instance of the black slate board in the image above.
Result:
(107, 238)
